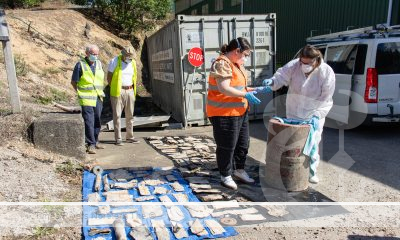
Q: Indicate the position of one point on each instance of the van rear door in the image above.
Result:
(341, 57)
(387, 64)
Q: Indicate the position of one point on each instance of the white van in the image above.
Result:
(367, 66)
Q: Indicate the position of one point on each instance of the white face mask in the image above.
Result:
(306, 68)
(243, 60)
(92, 58)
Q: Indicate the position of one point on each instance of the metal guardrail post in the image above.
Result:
(9, 62)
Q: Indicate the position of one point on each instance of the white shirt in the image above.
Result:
(307, 96)
(127, 71)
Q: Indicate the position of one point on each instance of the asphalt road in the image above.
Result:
(364, 158)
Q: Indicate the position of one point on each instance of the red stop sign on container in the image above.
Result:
(196, 56)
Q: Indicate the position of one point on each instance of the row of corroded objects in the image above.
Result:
(187, 148)
(139, 231)
(188, 152)
(123, 179)
(175, 216)
(196, 157)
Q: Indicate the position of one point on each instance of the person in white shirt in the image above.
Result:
(121, 77)
(311, 85)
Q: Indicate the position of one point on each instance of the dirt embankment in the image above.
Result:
(46, 45)
(50, 42)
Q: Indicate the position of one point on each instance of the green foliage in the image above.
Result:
(56, 211)
(21, 68)
(69, 168)
(134, 15)
(40, 232)
(50, 71)
(55, 95)
(20, 3)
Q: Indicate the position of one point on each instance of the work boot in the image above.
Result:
(228, 182)
(243, 176)
(132, 140)
(91, 149)
(314, 179)
(99, 146)
(119, 143)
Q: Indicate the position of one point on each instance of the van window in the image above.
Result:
(322, 50)
(341, 58)
(388, 58)
(359, 67)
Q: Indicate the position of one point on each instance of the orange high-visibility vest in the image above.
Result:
(219, 104)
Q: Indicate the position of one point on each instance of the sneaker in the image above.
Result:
(133, 140)
(99, 146)
(91, 150)
(119, 143)
(314, 179)
(243, 176)
(228, 182)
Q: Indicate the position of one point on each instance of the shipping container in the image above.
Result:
(180, 89)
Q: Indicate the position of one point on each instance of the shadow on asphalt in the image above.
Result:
(374, 150)
(359, 237)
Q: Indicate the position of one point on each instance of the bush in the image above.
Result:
(53, 95)
(21, 68)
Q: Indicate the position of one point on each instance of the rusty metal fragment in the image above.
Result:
(180, 197)
(106, 183)
(177, 187)
(133, 220)
(175, 214)
(178, 230)
(160, 229)
(143, 190)
(95, 231)
(197, 228)
(125, 185)
(119, 229)
(151, 211)
(214, 226)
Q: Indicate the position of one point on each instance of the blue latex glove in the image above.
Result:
(266, 89)
(315, 122)
(268, 82)
(251, 98)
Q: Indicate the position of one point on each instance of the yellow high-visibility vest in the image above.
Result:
(90, 86)
(116, 81)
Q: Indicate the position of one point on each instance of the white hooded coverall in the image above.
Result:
(307, 96)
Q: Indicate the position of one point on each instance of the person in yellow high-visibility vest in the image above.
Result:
(88, 82)
(122, 76)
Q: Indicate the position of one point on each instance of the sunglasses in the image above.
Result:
(310, 63)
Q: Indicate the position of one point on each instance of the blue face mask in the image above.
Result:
(93, 58)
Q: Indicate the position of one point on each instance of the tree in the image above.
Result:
(134, 15)
(20, 3)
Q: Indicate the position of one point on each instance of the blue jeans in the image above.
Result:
(231, 135)
(91, 117)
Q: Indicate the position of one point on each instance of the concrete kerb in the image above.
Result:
(60, 133)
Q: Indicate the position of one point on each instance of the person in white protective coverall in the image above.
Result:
(311, 85)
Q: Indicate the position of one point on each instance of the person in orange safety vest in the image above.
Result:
(228, 101)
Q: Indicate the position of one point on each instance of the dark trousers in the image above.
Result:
(91, 117)
(231, 135)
